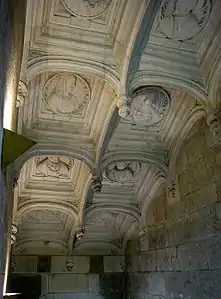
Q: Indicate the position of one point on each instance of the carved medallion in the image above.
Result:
(54, 166)
(183, 19)
(148, 106)
(122, 172)
(87, 9)
(66, 93)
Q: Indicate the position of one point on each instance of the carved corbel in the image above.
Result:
(69, 263)
(96, 183)
(123, 108)
(21, 94)
(212, 121)
(79, 231)
(14, 232)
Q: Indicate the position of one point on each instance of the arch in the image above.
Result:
(54, 149)
(193, 116)
(168, 80)
(214, 83)
(150, 11)
(161, 162)
(34, 205)
(127, 209)
(153, 185)
(109, 129)
(67, 64)
(30, 242)
(90, 241)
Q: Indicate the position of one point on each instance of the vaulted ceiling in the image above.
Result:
(113, 88)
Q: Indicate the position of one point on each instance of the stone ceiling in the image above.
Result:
(109, 90)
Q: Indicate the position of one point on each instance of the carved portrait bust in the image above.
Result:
(122, 172)
(148, 106)
(66, 93)
(183, 19)
(54, 166)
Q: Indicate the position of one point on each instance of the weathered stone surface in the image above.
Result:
(167, 259)
(157, 284)
(148, 261)
(194, 256)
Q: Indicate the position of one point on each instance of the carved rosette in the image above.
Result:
(96, 183)
(146, 107)
(212, 121)
(87, 9)
(80, 230)
(21, 94)
(14, 232)
(122, 172)
(181, 20)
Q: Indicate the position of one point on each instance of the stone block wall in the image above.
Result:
(183, 259)
(102, 276)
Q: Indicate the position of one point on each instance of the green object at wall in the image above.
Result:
(14, 145)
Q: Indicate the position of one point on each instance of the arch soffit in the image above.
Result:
(49, 149)
(214, 84)
(143, 157)
(34, 205)
(127, 209)
(30, 242)
(170, 81)
(140, 40)
(84, 67)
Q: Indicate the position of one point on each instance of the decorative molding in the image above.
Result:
(87, 9)
(66, 93)
(182, 20)
(122, 172)
(21, 94)
(96, 183)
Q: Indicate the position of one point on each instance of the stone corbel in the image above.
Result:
(212, 121)
(79, 231)
(144, 244)
(96, 183)
(123, 108)
(69, 263)
(21, 94)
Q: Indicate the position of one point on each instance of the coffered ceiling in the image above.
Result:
(113, 88)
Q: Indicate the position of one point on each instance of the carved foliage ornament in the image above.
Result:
(54, 166)
(183, 19)
(66, 94)
(87, 9)
(122, 172)
(146, 107)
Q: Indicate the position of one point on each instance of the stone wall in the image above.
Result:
(88, 275)
(183, 259)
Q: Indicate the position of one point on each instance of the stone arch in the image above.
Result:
(49, 149)
(63, 64)
(34, 205)
(143, 157)
(143, 78)
(127, 209)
